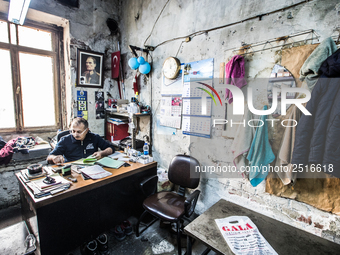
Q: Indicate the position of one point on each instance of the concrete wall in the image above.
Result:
(183, 18)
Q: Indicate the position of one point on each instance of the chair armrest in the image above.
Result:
(149, 185)
(190, 203)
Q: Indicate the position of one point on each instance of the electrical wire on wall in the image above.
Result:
(190, 36)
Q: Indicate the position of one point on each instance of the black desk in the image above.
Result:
(284, 238)
(64, 221)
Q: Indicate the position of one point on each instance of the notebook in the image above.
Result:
(85, 161)
(109, 162)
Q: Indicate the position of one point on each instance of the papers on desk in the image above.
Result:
(40, 189)
(109, 162)
(95, 172)
(243, 237)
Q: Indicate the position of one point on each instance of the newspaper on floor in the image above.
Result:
(243, 237)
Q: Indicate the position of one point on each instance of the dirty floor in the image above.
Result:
(154, 240)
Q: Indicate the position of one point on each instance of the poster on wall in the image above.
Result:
(197, 97)
(82, 104)
(100, 110)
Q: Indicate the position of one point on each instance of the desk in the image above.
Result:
(284, 238)
(88, 208)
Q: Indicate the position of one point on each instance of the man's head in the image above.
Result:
(79, 128)
(91, 64)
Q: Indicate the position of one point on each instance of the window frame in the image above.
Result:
(59, 83)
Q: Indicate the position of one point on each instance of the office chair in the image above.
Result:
(61, 134)
(170, 206)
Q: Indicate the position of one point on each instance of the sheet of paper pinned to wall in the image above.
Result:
(198, 95)
(171, 112)
(172, 87)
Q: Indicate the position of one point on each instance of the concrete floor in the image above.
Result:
(154, 240)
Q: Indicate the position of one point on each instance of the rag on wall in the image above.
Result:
(242, 141)
(234, 73)
(310, 70)
(285, 153)
(260, 154)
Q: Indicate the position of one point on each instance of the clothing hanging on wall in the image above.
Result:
(242, 141)
(318, 135)
(234, 73)
(285, 152)
(309, 71)
(260, 154)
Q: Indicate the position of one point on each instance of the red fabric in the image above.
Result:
(115, 60)
(234, 73)
(6, 153)
(135, 84)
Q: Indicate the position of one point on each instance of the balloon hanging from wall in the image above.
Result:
(145, 68)
(133, 63)
(138, 62)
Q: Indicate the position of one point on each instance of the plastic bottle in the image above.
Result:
(146, 149)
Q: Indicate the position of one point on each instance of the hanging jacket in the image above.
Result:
(318, 135)
(234, 73)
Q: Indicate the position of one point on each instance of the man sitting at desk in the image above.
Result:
(80, 143)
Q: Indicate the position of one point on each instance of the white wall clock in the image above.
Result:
(171, 67)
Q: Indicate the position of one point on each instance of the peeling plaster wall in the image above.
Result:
(180, 19)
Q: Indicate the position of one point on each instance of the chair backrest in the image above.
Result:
(182, 171)
(62, 133)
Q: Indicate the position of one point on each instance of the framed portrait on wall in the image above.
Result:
(90, 69)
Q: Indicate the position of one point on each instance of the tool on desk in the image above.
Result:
(49, 180)
(66, 170)
(72, 179)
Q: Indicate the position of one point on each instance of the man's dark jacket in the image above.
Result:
(317, 139)
(73, 149)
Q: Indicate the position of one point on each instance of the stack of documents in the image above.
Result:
(40, 189)
(95, 172)
(116, 121)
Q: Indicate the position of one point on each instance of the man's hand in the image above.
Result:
(101, 154)
(55, 159)
(98, 154)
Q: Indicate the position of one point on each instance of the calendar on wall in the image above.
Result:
(196, 96)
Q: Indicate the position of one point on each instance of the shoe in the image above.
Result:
(103, 244)
(89, 248)
(119, 233)
(127, 228)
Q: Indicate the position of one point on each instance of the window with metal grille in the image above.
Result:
(29, 83)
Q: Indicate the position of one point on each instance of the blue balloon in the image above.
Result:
(141, 60)
(145, 68)
(133, 63)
